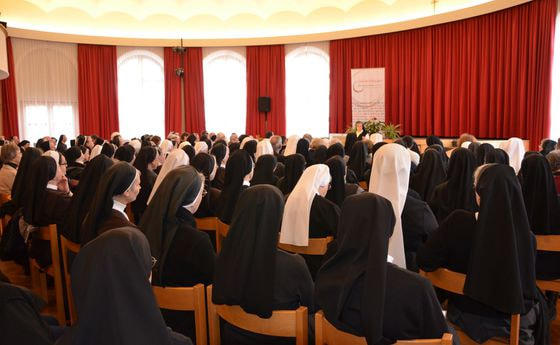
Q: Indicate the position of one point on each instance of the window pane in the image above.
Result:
(141, 95)
(225, 92)
(307, 92)
(62, 121)
(36, 123)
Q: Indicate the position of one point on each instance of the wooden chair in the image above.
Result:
(39, 275)
(282, 323)
(222, 230)
(207, 223)
(363, 185)
(327, 334)
(316, 246)
(185, 299)
(4, 221)
(549, 243)
(455, 282)
(67, 246)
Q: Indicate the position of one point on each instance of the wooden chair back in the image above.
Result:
(316, 246)
(327, 334)
(454, 282)
(66, 247)
(363, 185)
(5, 198)
(282, 323)
(548, 243)
(207, 223)
(222, 230)
(185, 299)
(38, 274)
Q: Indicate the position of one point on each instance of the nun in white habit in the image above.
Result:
(264, 147)
(96, 151)
(166, 146)
(308, 214)
(291, 145)
(200, 146)
(174, 160)
(245, 141)
(389, 178)
(516, 151)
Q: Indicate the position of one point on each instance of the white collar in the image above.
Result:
(52, 186)
(247, 183)
(120, 207)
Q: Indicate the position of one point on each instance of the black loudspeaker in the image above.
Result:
(264, 104)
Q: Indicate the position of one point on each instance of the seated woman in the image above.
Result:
(339, 189)
(429, 173)
(456, 193)
(308, 214)
(468, 242)
(357, 162)
(252, 272)
(75, 159)
(239, 171)
(113, 294)
(543, 209)
(264, 170)
(361, 293)
(118, 187)
(206, 165)
(294, 165)
(221, 152)
(82, 200)
(146, 162)
(47, 202)
(185, 256)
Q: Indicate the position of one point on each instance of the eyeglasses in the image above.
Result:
(154, 261)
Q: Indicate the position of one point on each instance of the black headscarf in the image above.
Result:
(204, 163)
(481, 153)
(547, 146)
(251, 148)
(159, 222)
(320, 155)
(365, 225)
(191, 139)
(539, 193)
(108, 150)
(443, 154)
(294, 165)
(409, 143)
(246, 266)
(337, 192)
(125, 153)
(506, 283)
(110, 279)
(302, 148)
(189, 150)
(264, 171)
(115, 181)
(335, 150)
(376, 147)
(146, 155)
(351, 138)
(43, 170)
(219, 151)
(238, 165)
(72, 154)
(233, 147)
(429, 174)
(497, 156)
(434, 140)
(44, 145)
(81, 201)
(24, 176)
(357, 160)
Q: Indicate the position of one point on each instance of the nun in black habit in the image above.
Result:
(351, 138)
(468, 243)
(146, 162)
(497, 156)
(252, 272)
(320, 155)
(542, 208)
(429, 173)
(457, 192)
(239, 171)
(335, 150)
(23, 176)
(75, 166)
(221, 152)
(294, 167)
(185, 256)
(303, 149)
(206, 165)
(357, 161)
(119, 186)
(339, 189)
(481, 153)
(361, 293)
(113, 294)
(83, 198)
(264, 171)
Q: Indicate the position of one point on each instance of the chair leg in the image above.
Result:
(44, 292)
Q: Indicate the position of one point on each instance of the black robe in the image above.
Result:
(139, 205)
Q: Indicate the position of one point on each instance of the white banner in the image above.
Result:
(368, 94)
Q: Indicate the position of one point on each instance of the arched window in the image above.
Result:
(141, 92)
(307, 89)
(225, 90)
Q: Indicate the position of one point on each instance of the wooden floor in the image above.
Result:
(15, 273)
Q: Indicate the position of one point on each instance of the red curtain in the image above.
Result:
(194, 91)
(9, 98)
(171, 61)
(489, 75)
(97, 89)
(266, 76)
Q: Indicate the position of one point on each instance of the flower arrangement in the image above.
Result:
(389, 130)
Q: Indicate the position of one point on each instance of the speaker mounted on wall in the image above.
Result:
(264, 104)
